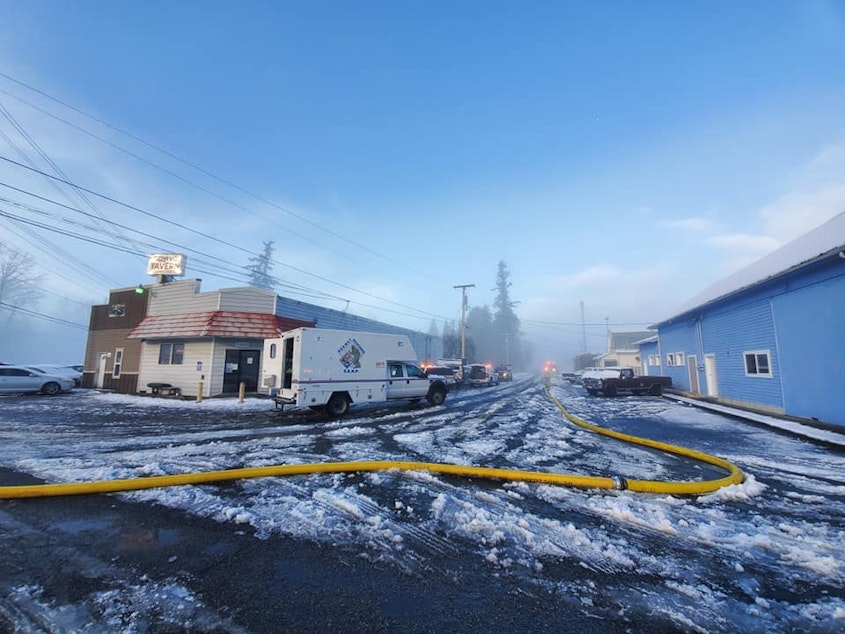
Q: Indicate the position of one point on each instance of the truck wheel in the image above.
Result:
(437, 395)
(656, 390)
(337, 406)
(610, 390)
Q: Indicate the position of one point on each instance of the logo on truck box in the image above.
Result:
(350, 354)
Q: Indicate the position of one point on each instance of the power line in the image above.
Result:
(38, 315)
(212, 238)
(345, 239)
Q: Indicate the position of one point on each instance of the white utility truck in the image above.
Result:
(332, 369)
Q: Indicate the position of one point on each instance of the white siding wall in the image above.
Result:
(185, 375)
(251, 300)
(178, 298)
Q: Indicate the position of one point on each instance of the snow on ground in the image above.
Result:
(765, 555)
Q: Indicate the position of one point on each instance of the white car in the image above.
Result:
(17, 379)
(60, 370)
(446, 373)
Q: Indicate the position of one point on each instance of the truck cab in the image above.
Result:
(406, 381)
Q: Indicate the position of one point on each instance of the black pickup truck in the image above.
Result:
(612, 381)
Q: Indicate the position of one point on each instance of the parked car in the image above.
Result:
(449, 375)
(504, 372)
(18, 379)
(60, 370)
(456, 365)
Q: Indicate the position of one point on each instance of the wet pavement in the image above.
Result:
(389, 552)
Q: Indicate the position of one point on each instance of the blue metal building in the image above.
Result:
(771, 336)
(650, 356)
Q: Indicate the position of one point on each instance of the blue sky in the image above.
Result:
(623, 154)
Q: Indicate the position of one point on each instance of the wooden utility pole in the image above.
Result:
(464, 288)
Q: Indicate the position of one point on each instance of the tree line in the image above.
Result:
(492, 335)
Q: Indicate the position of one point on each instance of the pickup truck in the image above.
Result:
(612, 381)
(481, 376)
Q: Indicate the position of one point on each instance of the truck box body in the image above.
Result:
(318, 367)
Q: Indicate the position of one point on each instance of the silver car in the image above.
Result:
(16, 379)
(56, 370)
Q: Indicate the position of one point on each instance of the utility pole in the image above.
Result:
(464, 288)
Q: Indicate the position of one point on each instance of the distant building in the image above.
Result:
(172, 333)
(622, 350)
(771, 336)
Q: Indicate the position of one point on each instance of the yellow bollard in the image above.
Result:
(199, 393)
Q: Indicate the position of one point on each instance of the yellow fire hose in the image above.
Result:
(599, 482)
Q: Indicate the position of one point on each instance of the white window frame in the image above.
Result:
(117, 363)
(757, 353)
(679, 358)
(670, 358)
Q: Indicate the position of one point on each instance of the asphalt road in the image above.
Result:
(107, 563)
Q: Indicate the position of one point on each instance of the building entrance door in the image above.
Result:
(692, 366)
(241, 366)
(100, 374)
(710, 375)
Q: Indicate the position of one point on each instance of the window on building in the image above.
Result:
(118, 363)
(757, 363)
(171, 353)
(670, 358)
(679, 358)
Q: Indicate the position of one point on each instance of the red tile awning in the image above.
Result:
(215, 323)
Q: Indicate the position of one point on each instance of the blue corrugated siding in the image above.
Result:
(811, 338)
(679, 337)
(426, 346)
(731, 332)
(797, 318)
(647, 350)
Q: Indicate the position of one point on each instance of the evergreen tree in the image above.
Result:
(507, 347)
(481, 334)
(260, 267)
(451, 339)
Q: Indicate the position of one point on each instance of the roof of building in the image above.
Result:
(215, 323)
(622, 341)
(818, 243)
(642, 342)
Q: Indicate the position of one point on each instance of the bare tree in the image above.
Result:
(18, 279)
